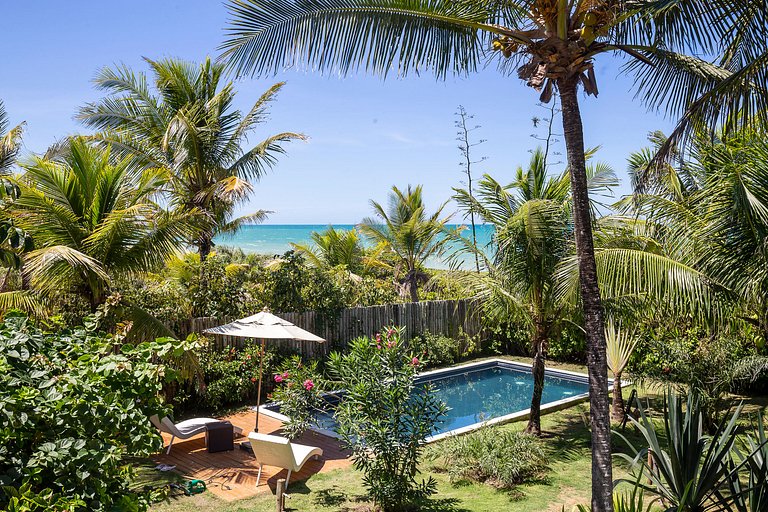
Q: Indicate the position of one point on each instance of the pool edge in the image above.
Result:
(550, 407)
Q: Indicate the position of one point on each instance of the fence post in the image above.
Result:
(280, 495)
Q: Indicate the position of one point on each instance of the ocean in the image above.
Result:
(276, 239)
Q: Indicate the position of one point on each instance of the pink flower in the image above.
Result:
(378, 347)
(415, 361)
(378, 337)
(308, 384)
(390, 332)
(278, 378)
(285, 375)
(390, 344)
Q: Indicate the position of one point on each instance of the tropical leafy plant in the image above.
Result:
(384, 418)
(93, 217)
(298, 388)
(10, 142)
(552, 45)
(499, 457)
(189, 127)
(406, 235)
(689, 470)
(620, 343)
(231, 376)
(74, 416)
(753, 497)
(334, 248)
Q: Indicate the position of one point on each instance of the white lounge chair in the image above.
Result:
(280, 452)
(184, 429)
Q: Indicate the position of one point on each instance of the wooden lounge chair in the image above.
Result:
(184, 429)
(280, 452)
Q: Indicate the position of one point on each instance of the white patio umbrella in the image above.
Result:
(264, 326)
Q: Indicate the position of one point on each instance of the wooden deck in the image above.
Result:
(232, 475)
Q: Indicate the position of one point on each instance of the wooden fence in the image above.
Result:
(446, 317)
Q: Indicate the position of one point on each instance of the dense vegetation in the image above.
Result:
(73, 415)
(97, 229)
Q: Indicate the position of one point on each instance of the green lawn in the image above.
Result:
(566, 483)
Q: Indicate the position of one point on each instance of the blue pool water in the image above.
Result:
(483, 392)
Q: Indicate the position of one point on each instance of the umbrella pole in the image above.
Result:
(258, 393)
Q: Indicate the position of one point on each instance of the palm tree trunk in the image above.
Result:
(599, 407)
(540, 346)
(617, 408)
(413, 285)
(204, 246)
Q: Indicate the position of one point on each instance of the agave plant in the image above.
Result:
(620, 343)
(690, 470)
(753, 498)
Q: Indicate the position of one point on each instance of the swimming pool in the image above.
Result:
(476, 394)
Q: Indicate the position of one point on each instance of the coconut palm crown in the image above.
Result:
(188, 125)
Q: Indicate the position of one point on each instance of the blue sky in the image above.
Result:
(365, 134)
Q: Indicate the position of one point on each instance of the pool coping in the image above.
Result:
(507, 418)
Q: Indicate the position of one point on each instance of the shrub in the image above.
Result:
(231, 375)
(297, 389)
(435, 349)
(499, 457)
(384, 420)
(73, 413)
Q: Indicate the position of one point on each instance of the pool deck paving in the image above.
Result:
(231, 475)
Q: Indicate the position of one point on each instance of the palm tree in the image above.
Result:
(93, 218)
(707, 215)
(406, 234)
(189, 126)
(333, 248)
(533, 235)
(10, 141)
(13, 240)
(552, 44)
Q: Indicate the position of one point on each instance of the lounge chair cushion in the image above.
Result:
(280, 452)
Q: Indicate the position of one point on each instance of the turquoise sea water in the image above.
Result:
(276, 238)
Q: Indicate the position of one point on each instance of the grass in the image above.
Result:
(565, 483)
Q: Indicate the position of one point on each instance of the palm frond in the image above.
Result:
(377, 35)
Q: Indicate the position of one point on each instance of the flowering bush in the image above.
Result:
(298, 391)
(384, 419)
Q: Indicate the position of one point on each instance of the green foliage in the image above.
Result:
(188, 126)
(297, 388)
(439, 350)
(74, 414)
(335, 248)
(93, 218)
(231, 376)
(384, 419)
(499, 457)
(690, 469)
(753, 497)
(692, 359)
(405, 236)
